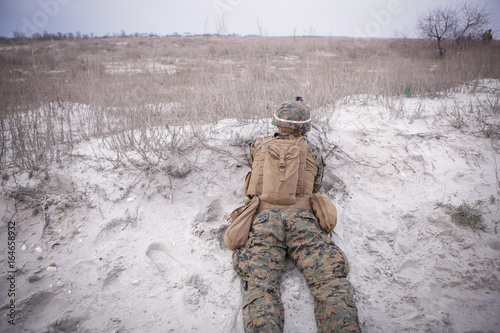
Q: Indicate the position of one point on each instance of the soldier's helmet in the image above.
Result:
(294, 115)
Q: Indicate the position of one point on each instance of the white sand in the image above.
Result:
(142, 252)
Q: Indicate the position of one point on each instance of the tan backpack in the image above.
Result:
(283, 173)
(279, 171)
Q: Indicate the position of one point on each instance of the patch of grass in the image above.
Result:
(465, 215)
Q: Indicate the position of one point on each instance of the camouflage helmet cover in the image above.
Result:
(294, 115)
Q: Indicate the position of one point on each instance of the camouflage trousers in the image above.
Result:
(274, 234)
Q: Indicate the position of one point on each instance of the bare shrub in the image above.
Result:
(481, 116)
(487, 115)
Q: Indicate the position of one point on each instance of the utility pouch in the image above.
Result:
(325, 211)
(237, 234)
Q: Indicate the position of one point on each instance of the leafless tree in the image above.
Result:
(471, 24)
(460, 22)
(439, 24)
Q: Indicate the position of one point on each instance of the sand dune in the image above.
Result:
(141, 251)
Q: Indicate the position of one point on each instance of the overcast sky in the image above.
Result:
(353, 18)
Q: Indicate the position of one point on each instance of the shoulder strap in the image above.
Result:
(263, 151)
(302, 144)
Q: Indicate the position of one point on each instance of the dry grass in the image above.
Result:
(465, 215)
(134, 92)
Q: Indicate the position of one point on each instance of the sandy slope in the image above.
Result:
(140, 251)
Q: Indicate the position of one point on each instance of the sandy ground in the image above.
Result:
(117, 249)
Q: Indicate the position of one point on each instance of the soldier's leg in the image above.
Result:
(260, 264)
(325, 268)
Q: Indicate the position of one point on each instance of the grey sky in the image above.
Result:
(354, 18)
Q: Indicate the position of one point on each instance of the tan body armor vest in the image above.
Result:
(283, 171)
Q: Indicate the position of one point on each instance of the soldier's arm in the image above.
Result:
(318, 180)
(318, 158)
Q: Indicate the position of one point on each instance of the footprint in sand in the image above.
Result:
(46, 309)
(111, 231)
(163, 260)
(209, 224)
(87, 272)
(68, 324)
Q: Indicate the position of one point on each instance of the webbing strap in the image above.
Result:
(302, 165)
(282, 164)
(263, 151)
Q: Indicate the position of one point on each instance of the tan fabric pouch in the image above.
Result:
(325, 211)
(237, 234)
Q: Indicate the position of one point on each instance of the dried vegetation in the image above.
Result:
(137, 94)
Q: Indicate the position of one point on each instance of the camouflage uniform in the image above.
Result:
(295, 232)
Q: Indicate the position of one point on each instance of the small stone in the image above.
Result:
(51, 269)
(135, 282)
(38, 249)
(23, 248)
(33, 278)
